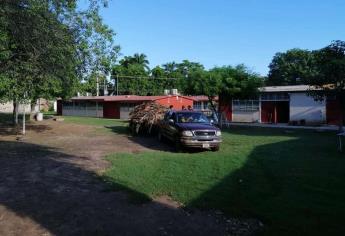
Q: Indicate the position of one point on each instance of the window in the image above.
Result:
(245, 105)
(197, 106)
(127, 106)
(191, 118)
(201, 105)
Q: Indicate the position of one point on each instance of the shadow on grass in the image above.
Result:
(264, 131)
(145, 140)
(16, 130)
(118, 129)
(42, 186)
(296, 187)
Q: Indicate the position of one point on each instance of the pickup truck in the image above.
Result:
(190, 129)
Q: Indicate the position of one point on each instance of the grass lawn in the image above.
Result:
(294, 182)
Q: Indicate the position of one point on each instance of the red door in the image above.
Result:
(59, 107)
(267, 112)
(111, 110)
(275, 112)
(333, 112)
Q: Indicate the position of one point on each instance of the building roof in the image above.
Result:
(132, 98)
(289, 88)
(202, 98)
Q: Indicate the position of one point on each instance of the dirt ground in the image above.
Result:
(50, 185)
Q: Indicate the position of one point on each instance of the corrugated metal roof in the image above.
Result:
(290, 88)
(121, 98)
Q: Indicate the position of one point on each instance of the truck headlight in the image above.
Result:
(219, 133)
(187, 133)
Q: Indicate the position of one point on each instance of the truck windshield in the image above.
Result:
(191, 118)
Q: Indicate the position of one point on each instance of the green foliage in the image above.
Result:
(226, 81)
(158, 72)
(47, 47)
(329, 78)
(190, 78)
(291, 67)
(90, 84)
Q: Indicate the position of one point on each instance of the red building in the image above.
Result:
(119, 107)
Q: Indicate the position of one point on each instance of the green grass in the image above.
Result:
(49, 113)
(293, 182)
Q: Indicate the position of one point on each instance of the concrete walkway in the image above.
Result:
(283, 126)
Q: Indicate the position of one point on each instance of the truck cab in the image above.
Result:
(190, 129)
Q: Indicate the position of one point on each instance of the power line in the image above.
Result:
(142, 77)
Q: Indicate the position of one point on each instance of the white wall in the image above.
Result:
(8, 108)
(90, 112)
(245, 116)
(305, 107)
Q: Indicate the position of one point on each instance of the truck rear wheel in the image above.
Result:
(160, 136)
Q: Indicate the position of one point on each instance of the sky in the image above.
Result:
(223, 32)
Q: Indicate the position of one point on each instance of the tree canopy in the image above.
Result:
(291, 67)
(47, 47)
(329, 76)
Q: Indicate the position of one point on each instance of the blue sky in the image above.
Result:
(223, 32)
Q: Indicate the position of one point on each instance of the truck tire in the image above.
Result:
(178, 145)
(160, 136)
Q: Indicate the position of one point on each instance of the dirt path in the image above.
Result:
(49, 186)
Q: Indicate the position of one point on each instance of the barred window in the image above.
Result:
(245, 105)
(197, 106)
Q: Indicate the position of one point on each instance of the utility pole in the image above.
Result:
(24, 103)
(97, 86)
(107, 78)
(117, 85)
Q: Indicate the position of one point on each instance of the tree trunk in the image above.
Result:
(210, 100)
(33, 111)
(15, 112)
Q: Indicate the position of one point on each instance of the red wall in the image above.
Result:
(225, 107)
(275, 112)
(111, 110)
(176, 101)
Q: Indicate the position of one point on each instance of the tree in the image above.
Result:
(291, 67)
(171, 70)
(227, 82)
(329, 76)
(158, 72)
(31, 63)
(186, 67)
(61, 46)
(141, 59)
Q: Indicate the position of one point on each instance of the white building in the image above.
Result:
(283, 104)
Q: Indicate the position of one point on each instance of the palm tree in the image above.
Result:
(170, 67)
(141, 59)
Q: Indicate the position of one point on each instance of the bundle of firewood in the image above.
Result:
(146, 116)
